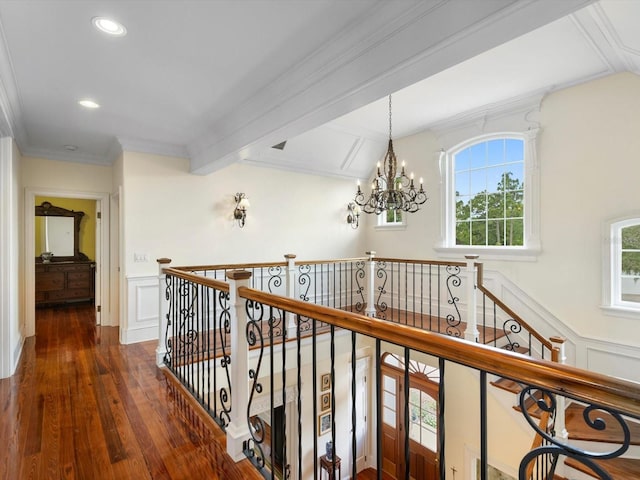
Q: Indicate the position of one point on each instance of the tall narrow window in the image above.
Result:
(489, 186)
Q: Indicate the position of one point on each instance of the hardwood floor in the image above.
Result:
(82, 406)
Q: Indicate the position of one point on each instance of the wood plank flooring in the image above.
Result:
(82, 406)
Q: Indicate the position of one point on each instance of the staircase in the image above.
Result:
(589, 439)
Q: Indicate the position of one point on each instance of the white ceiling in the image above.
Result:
(220, 81)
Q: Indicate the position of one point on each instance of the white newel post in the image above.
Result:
(371, 306)
(471, 333)
(238, 430)
(560, 427)
(291, 279)
(163, 310)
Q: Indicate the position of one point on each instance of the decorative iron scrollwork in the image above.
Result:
(224, 327)
(304, 279)
(555, 447)
(275, 279)
(168, 340)
(510, 328)
(360, 275)
(453, 281)
(381, 272)
(253, 447)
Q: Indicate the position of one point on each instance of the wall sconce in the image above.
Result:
(242, 205)
(353, 218)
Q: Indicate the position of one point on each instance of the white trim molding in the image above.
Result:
(142, 319)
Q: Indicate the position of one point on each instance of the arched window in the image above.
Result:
(491, 193)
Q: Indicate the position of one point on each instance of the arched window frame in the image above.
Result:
(447, 245)
(612, 269)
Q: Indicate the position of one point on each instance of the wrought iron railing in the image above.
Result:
(292, 375)
(501, 327)
(196, 335)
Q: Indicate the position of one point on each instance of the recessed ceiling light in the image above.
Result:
(71, 148)
(109, 26)
(89, 103)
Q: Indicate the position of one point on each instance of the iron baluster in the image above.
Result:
(381, 306)
(224, 417)
(253, 447)
(453, 281)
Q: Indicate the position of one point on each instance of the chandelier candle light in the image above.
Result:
(390, 190)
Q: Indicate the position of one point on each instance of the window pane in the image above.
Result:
(389, 384)
(495, 233)
(479, 154)
(463, 233)
(514, 150)
(495, 150)
(463, 186)
(495, 205)
(514, 232)
(631, 263)
(389, 400)
(515, 177)
(631, 237)
(514, 204)
(477, 181)
(494, 178)
(389, 417)
(463, 209)
(478, 233)
(479, 206)
(463, 160)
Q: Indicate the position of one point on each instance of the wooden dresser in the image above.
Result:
(62, 282)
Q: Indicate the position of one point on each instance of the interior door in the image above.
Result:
(422, 405)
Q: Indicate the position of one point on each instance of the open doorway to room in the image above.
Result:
(93, 242)
(422, 406)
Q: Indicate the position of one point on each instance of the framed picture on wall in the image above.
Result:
(324, 423)
(325, 382)
(325, 401)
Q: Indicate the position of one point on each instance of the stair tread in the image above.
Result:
(617, 468)
(579, 430)
(508, 385)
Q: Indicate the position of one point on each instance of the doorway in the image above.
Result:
(422, 408)
(102, 253)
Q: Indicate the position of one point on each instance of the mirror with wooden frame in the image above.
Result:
(58, 232)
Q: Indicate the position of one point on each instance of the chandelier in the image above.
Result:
(390, 190)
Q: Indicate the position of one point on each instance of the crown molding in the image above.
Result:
(397, 44)
(152, 147)
(64, 156)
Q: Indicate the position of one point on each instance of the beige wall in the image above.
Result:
(588, 150)
(169, 212)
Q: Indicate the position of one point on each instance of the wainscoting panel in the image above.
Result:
(141, 323)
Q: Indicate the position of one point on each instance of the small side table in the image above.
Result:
(327, 465)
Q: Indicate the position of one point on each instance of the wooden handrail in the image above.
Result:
(231, 266)
(547, 343)
(593, 388)
(340, 260)
(422, 262)
(197, 279)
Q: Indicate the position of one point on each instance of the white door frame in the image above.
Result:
(102, 290)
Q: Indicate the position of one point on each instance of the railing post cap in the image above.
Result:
(238, 274)
(557, 339)
(290, 255)
(163, 260)
(371, 253)
(472, 256)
